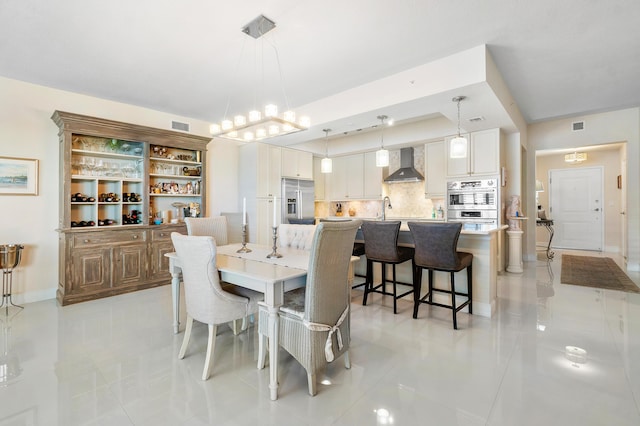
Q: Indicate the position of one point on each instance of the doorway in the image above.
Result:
(576, 204)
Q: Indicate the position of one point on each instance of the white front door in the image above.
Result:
(576, 208)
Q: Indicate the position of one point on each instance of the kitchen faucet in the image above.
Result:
(386, 200)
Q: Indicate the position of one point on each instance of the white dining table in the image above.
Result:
(270, 276)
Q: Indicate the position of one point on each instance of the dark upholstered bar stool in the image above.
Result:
(436, 250)
(381, 245)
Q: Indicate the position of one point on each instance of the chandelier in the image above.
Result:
(459, 143)
(575, 157)
(258, 125)
(382, 155)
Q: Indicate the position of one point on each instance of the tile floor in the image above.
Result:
(114, 362)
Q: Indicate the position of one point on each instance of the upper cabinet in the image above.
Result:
(483, 155)
(435, 176)
(372, 177)
(268, 163)
(346, 181)
(318, 179)
(297, 164)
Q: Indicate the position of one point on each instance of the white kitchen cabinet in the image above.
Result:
(346, 182)
(435, 176)
(318, 179)
(372, 177)
(297, 164)
(259, 181)
(264, 221)
(268, 183)
(483, 155)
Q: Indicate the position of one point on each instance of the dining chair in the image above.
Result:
(296, 236)
(381, 245)
(314, 321)
(436, 249)
(234, 227)
(207, 299)
(213, 226)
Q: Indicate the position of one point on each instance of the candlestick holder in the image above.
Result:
(244, 248)
(274, 253)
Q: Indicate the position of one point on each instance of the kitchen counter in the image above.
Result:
(482, 241)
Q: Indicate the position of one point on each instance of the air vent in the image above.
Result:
(176, 125)
(475, 119)
(576, 126)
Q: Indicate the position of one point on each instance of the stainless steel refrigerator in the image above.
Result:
(298, 201)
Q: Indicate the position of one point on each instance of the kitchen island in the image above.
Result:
(482, 241)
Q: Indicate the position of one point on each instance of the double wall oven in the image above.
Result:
(473, 201)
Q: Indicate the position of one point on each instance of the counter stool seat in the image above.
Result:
(381, 245)
(436, 250)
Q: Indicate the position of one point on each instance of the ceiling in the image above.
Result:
(190, 58)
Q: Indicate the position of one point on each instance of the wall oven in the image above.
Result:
(473, 201)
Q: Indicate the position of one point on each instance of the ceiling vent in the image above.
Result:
(576, 126)
(176, 125)
(476, 119)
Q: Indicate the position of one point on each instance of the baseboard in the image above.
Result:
(34, 296)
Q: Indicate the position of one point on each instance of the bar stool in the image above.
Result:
(381, 245)
(436, 250)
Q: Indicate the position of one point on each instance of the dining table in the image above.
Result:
(272, 276)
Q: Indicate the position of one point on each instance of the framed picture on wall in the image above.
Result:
(18, 176)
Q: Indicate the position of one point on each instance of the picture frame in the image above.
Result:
(18, 176)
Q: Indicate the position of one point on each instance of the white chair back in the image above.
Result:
(296, 236)
(214, 226)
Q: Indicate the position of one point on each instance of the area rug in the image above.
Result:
(600, 272)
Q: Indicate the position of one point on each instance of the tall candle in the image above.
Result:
(275, 223)
(244, 211)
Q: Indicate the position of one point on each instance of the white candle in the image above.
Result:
(275, 223)
(244, 211)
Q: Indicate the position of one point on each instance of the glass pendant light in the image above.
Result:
(458, 147)
(326, 165)
(382, 155)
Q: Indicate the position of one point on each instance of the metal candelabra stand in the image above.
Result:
(274, 253)
(244, 248)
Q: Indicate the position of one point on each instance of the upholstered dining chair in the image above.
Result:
(213, 226)
(436, 249)
(207, 299)
(315, 319)
(381, 245)
(296, 236)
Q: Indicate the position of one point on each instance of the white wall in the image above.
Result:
(604, 128)
(27, 131)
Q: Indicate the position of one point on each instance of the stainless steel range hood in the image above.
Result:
(406, 172)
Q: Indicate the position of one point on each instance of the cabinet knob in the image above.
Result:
(162, 234)
(85, 241)
(135, 237)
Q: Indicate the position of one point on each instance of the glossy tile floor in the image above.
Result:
(114, 362)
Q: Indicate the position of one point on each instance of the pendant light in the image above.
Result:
(326, 165)
(382, 155)
(458, 147)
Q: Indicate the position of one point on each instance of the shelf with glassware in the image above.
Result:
(175, 181)
(106, 182)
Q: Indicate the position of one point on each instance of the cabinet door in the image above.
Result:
(372, 177)
(159, 268)
(264, 223)
(485, 152)
(337, 180)
(297, 164)
(130, 266)
(318, 179)
(355, 176)
(435, 176)
(457, 166)
(90, 270)
(268, 170)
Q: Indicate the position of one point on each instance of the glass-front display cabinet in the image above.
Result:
(124, 188)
